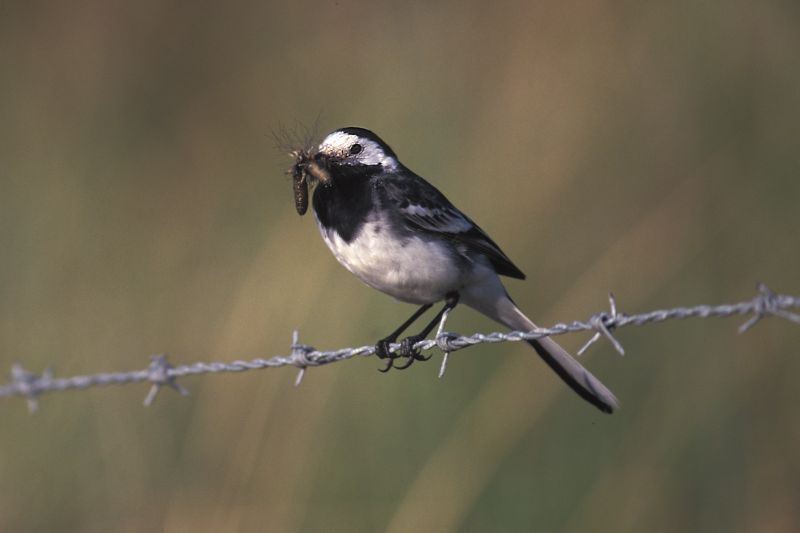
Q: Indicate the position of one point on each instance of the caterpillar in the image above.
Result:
(305, 171)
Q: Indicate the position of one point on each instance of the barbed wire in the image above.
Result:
(161, 373)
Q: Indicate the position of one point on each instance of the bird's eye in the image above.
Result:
(356, 148)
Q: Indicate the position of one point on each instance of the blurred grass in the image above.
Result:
(650, 150)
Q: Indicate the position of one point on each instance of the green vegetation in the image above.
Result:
(650, 150)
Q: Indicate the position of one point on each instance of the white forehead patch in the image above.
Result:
(338, 144)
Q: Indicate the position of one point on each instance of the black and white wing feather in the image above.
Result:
(424, 208)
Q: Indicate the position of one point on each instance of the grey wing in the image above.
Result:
(424, 208)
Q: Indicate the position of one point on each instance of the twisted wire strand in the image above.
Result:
(161, 373)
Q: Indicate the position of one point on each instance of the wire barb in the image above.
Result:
(768, 303)
(604, 323)
(442, 339)
(29, 385)
(300, 357)
(159, 374)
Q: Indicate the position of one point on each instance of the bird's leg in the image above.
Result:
(407, 344)
(382, 346)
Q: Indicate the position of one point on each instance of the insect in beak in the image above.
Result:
(300, 186)
(308, 168)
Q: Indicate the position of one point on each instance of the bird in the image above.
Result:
(399, 234)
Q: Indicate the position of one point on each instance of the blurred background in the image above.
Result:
(649, 150)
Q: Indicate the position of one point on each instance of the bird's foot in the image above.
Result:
(406, 350)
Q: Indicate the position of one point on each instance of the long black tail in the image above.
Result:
(492, 300)
(578, 378)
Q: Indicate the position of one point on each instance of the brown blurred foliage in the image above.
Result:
(650, 149)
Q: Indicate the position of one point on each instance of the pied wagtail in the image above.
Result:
(398, 234)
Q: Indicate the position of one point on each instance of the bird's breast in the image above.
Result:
(411, 267)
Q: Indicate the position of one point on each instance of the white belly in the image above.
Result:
(414, 270)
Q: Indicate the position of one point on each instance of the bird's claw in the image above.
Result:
(382, 348)
(406, 350)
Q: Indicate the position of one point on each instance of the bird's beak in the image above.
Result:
(321, 158)
(318, 167)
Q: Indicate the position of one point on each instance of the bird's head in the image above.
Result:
(355, 150)
(347, 153)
